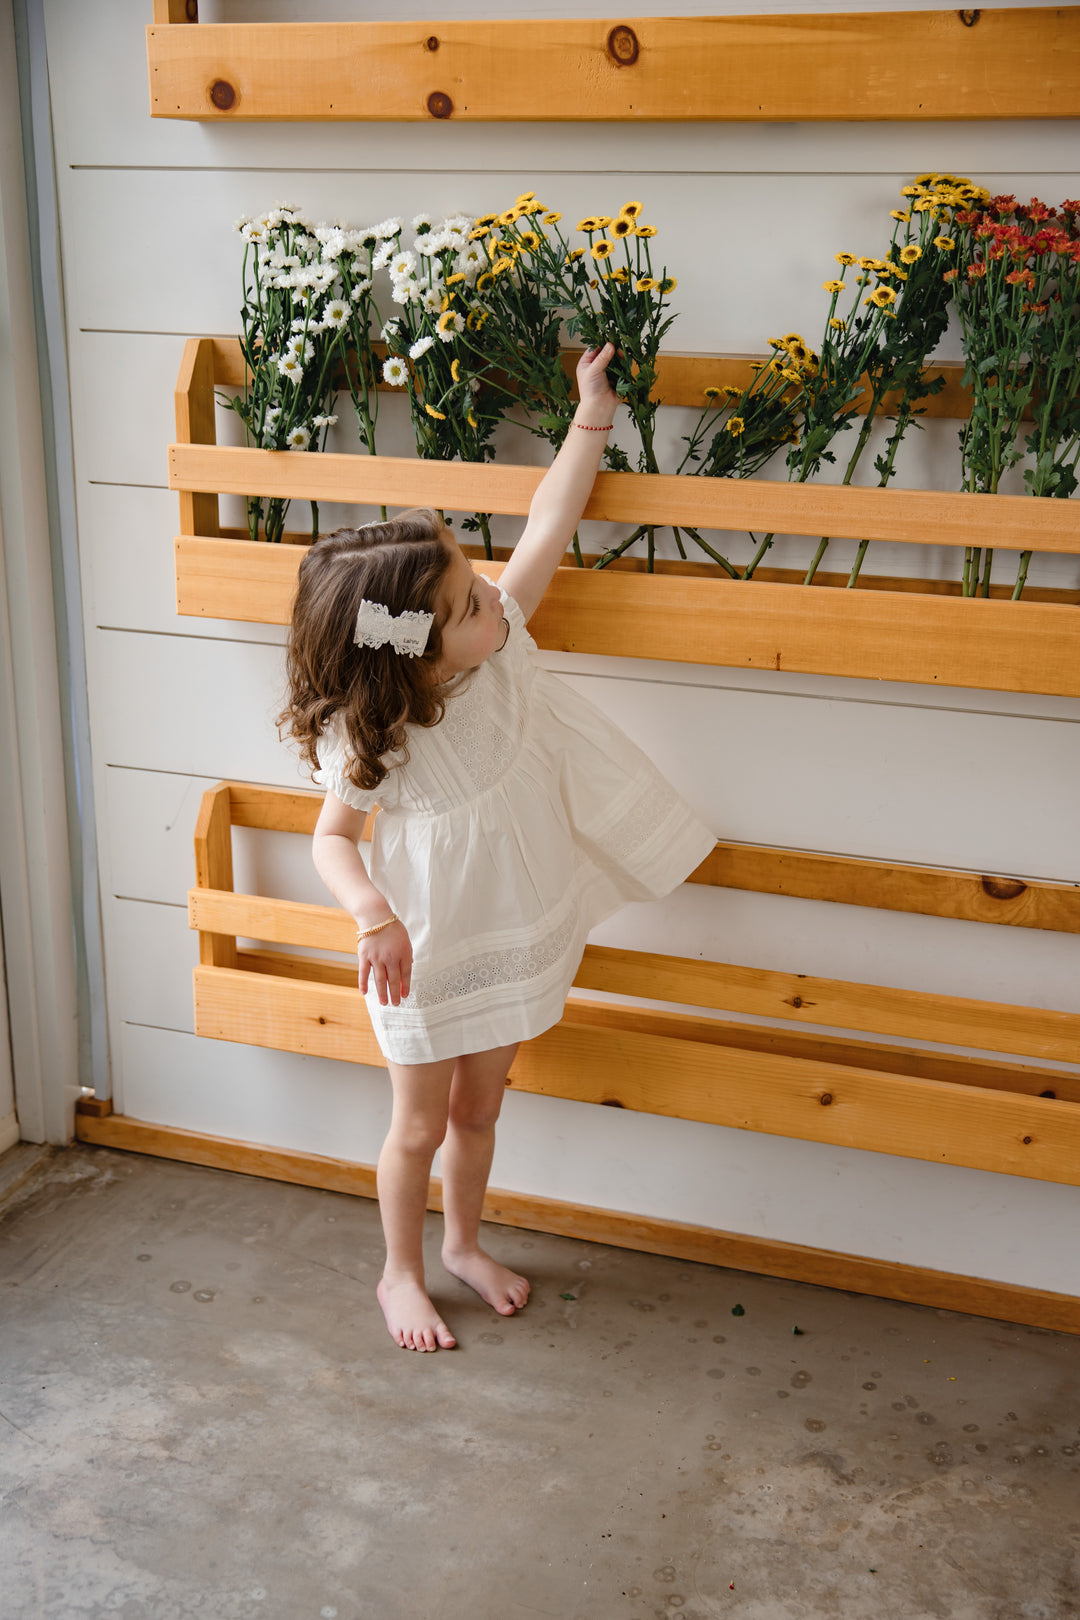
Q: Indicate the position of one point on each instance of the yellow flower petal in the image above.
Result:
(602, 249)
(440, 416)
(844, 258)
(630, 210)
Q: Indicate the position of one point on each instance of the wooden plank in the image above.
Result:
(681, 379)
(588, 1058)
(919, 1015)
(915, 516)
(195, 424)
(770, 1257)
(878, 1009)
(1015, 63)
(214, 870)
(879, 1055)
(929, 891)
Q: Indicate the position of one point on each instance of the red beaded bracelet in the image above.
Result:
(585, 427)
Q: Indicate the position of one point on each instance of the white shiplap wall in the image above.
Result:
(750, 218)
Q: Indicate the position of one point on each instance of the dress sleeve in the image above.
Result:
(518, 630)
(332, 775)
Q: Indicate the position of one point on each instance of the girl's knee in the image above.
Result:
(475, 1113)
(418, 1136)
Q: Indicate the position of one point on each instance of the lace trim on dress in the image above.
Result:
(514, 966)
(483, 748)
(627, 833)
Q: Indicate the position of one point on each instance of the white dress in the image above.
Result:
(519, 822)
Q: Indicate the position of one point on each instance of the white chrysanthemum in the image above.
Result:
(289, 366)
(470, 261)
(422, 222)
(253, 231)
(334, 246)
(238, 224)
(440, 240)
(298, 438)
(300, 324)
(396, 373)
(431, 299)
(325, 421)
(335, 315)
(271, 415)
(459, 224)
(421, 347)
(284, 279)
(382, 256)
(450, 325)
(301, 349)
(359, 290)
(388, 228)
(403, 265)
(405, 292)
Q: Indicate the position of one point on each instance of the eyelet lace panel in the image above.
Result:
(483, 748)
(518, 965)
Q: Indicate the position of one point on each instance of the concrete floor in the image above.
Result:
(204, 1417)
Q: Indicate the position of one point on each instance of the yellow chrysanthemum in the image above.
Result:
(832, 286)
(484, 220)
(526, 197)
(445, 305)
(509, 216)
(444, 321)
(668, 285)
(471, 419)
(484, 281)
(900, 214)
(621, 275)
(574, 255)
(645, 230)
(529, 241)
(589, 224)
(872, 264)
(910, 191)
(603, 221)
(789, 374)
(909, 254)
(837, 326)
(945, 243)
(602, 249)
(646, 284)
(450, 280)
(501, 266)
(477, 233)
(630, 210)
(440, 416)
(844, 258)
(455, 370)
(622, 226)
(900, 275)
(735, 425)
(789, 338)
(882, 297)
(552, 218)
(714, 393)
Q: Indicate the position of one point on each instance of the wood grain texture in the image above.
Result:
(769, 1257)
(903, 636)
(591, 1056)
(915, 516)
(196, 424)
(873, 65)
(214, 870)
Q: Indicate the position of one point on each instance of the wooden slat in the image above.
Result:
(214, 870)
(1017, 63)
(886, 1279)
(878, 1009)
(919, 1015)
(930, 891)
(916, 516)
(681, 379)
(957, 1069)
(195, 424)
(590, 1057)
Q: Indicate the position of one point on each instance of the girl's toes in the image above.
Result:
(445, 1337)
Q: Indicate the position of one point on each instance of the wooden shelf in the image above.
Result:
(905, 634)
(1013, 1118)
(875, 65)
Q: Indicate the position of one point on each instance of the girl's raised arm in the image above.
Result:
(563, 491)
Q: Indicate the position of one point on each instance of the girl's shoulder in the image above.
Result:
(333, 772)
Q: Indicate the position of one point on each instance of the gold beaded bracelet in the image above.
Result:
(366, 933)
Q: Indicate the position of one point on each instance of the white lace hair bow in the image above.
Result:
(408, 633)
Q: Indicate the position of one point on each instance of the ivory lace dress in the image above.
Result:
(519, 822)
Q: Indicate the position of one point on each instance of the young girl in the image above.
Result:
(514, 818)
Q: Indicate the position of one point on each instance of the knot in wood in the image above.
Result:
(969, 18)
(825, 1099)
(222, 95)
(439, 104)
(1003, 888)
(1027, 1141)
(432, 42)
(623, 47)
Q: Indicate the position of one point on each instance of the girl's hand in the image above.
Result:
(598, 399)
(386, 958)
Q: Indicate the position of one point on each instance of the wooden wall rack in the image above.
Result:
(1010, 1117)
(974, 63)
(898, 630)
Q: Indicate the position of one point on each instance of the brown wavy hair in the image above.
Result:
(376, 691)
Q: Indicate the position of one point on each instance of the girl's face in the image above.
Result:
(475, 625)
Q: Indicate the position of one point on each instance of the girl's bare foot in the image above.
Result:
(412, 1319)
(502, 1289)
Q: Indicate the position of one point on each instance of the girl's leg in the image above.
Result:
(476, 1095)
(417, 1127)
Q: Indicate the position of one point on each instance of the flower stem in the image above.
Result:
(748, 571)
(819, 553)
(857, 565)
(1021, 578)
